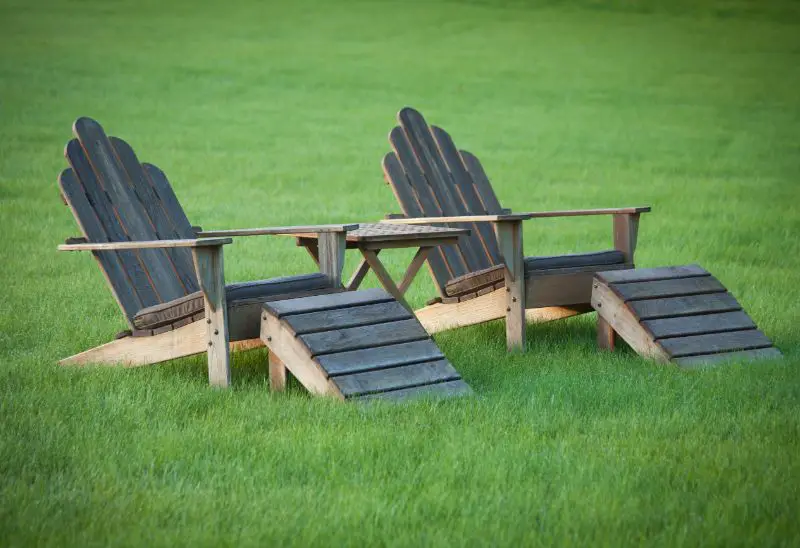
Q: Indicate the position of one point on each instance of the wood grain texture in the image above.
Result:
(668, 288)
(358, 338)
(277, 373)
(280, 230)
(653, 274)
(341, 318)
(331, 256)
(327, 302)
(509, 235)
(606, 336)
(150, 244)
(391, 355)
(698, 325)
(770, 353)
(383, 276)
(684, 306)
(440, 390)
(406, 376)
(716, 342)
(561, 287)
(626, 230)
(483, 188)
(209, 265)
(416, 263)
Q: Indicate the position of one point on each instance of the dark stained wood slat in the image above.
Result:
(668, 288)
(93, 230)
(770, 353)
(482, 185)
(715, 342)
(318, 303)
(405, 376)
(483, 237)
(169, 201)
(163, 224)
(698, 325)
(684, 306)
(131, 260)
(357, 337)
(405, 154)
(653, 274)
(390, 355)
(443, 389)
(342, 318)
(398, 181)
(433, 165)
(129, 209)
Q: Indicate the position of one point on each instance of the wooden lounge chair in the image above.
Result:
(486, 276)
(166, 275)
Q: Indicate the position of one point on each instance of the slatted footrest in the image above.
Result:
(358, 345)
(680, 314)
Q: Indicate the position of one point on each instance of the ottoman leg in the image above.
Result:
(606, 337)
(277, 373)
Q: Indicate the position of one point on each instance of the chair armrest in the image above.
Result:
(458, 219)
(586, 212)
(277, 230)
(395, 216)
(152, 244)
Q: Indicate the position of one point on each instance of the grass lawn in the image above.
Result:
(277, 113)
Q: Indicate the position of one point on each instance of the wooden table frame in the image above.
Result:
(371, 239)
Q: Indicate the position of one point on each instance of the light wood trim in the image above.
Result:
(384, 277)
(359, 274)
(509, 236)
(626, 230)
(277, 373)
(209, 264)
(278, 230)
(606, 336)
(586, 212)
(416, 263)
(331, 256)
(145, 244)
(459, 219)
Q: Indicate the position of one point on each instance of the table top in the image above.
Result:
(396, 233)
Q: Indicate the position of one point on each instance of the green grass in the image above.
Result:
(277, 113)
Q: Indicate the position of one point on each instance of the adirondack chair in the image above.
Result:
(486, 276)
(166, 275)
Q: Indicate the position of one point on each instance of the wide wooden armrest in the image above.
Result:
(277, 230)
(585, 212)
(152, 244)
(459, 219)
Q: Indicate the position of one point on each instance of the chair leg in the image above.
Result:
(277, 373)
(606, 336)
(208, 262)
(509, 235)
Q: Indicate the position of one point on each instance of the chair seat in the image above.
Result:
(191, 307)
(493, 276)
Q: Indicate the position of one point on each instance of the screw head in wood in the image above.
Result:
(210, 343)
(508, 309)
(269, 338)
(216, 332)
(513, 299)
(208, 320)
(599, 305)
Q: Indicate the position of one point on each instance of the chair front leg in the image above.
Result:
(509, 236)
(626, 229)
(331, 255)
(208, 263)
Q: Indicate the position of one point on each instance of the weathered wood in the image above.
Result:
(614, 311)
(509, 235)
(341, 318)
(357, 338)
(208, 262)
(482, 185)
(383, 276)
(331, 256)
(626, 229)
(436, 219)
(653, 274)
(597, 260)
(588, 212)
(279, 230)
(356, 361)
(153, 244)
(443, 389)
(606, 337)
(684, 306)
(327, 302)
(277, 373)
(698, 325)
(770, 353)
(405, 376)
(668, 288)
(716, 342)
(413, 268)
(561, 287)
(359, 274)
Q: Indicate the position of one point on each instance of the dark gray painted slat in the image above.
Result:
(770, 353)
(433, 165)
(364, 337)
(328, 302)
(684, 306)
(407, 199)
(389, 356)
(91, 228)
(668, 288)
(131, 212)
(482, 185)
(165, 228)
(169, 200)
(698, 325)
(395, 378)
(594, 258)
(482, 238)
(131, 260)
(443, 390)
(405, 154)
(653, 274)
(342, 318)
(716, 342)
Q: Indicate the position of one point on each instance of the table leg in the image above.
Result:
(360, 273)
(413, 268)
(383, 276)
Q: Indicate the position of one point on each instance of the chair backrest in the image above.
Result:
(114, 199)
(432, 178)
